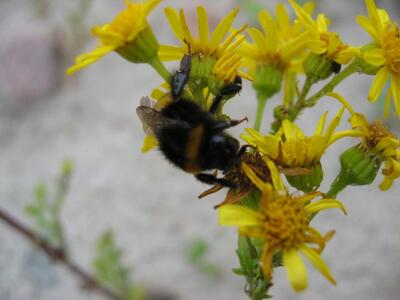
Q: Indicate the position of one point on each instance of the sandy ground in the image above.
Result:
(153, 207)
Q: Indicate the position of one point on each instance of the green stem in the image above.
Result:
(160, 68)
(349, 70)
(261, 103)
(338, 185)
(306, 88)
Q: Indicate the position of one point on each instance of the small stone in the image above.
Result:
(30, 66)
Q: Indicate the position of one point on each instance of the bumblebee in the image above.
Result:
(191, 138)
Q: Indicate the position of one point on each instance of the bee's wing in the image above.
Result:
(155, 121)
(146, 102)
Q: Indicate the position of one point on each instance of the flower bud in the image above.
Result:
(358, 167)
(142, 49)
(267, 81)
(307, 182)
(318, 67)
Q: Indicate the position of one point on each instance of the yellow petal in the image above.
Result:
(304, 17)
(321, 124)
(388, 97)
(346, 55)
(175, 23)
(395, 91)
(86, 59)
(378, 84)
(325, 204)
(333, 125)
(283, 17)
(333, 44)
(296, 270)
(266, 259)
(236, 215)
(317, 46)
(368, 26)
(258, 38)
(373, 14)
(342, 100)
(276, 178)
(222, 28)
(168, 53)
(291, 131)
(374, 56)
(359, 121)
(386, 184)
(294, 47)
(150, 142)
(187, 36)
(270, 29)
(202, 24)
(150, 5)
(322, 23)
(318, 263)
(261, 185)
(346, 133)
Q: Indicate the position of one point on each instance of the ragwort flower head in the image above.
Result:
(213, 58)
(384, 53)
(378, 145)
(129, 34)
(275, 51)
(321, 40)
(282, 222)
(295, 153)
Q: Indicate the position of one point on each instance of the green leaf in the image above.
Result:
(197, 251)
(108, 265)
(196, 254)
(252, 200)
(247, 254)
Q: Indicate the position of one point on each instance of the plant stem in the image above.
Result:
(306, 88)
(302, 103)
(58, 255)
(349, 70)
(338, 185)
(160, 68)
(261, 103)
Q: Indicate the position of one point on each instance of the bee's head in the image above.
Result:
(223, 149)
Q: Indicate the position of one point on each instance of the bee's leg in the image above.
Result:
(237, 157)
(222, 125)
(230, 89)
(180, 77)
(212, 179)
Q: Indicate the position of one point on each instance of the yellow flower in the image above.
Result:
(129, 34)
(281, 44)
(283, 223)
(385, 52)
(378, 143)
(321, 40)
(290, 148)
(211, 56)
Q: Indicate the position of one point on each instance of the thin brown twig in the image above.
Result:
(58, 255)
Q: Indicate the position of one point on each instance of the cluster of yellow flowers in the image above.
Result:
(281, 52)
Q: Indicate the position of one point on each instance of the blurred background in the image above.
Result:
(152, 207)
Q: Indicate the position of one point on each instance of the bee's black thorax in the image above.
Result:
(197, 147)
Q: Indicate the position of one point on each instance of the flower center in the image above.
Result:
(326, 37)
(391, 48)
(294, 152)
(377, 131)
(286, 222)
